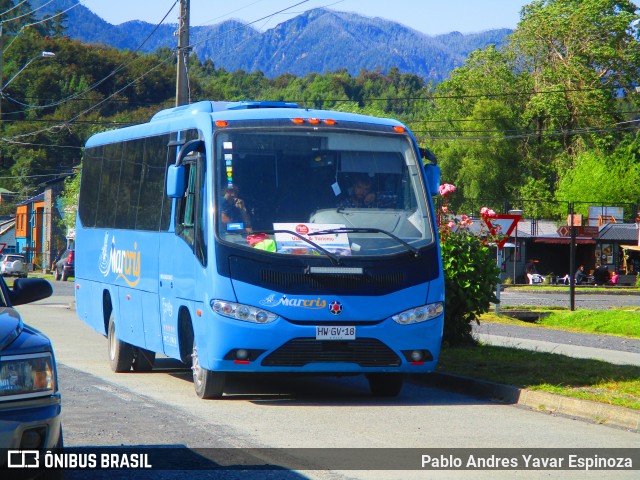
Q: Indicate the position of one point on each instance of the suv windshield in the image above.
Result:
(362, 191)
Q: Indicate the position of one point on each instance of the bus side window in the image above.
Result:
(189, 222)
(186, 221)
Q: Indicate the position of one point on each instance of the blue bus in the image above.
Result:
(261, 237)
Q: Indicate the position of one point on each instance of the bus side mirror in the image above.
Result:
(433, 178)
(175, 181)
(432, 170)
(176, 186)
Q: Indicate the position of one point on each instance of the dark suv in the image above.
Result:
(64, 266)
(30, 406)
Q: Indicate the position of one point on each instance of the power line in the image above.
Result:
(104, 79)
(28, 13)
(50, 18)
(67, 122)
(13, 8)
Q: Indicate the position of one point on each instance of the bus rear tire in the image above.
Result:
(143, 360)
(120, 353)
(208, 384)
(385, 384)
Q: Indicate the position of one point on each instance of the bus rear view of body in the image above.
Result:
(261, 237)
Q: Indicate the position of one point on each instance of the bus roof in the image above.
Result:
(261, 110)
(232, 111)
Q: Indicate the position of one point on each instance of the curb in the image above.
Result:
(599, 413)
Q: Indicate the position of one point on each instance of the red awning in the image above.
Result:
(564, 240)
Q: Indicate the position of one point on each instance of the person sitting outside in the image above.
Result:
(614, 279)
(601, 275)
(360, 195)
(234, 212)
(580, 276)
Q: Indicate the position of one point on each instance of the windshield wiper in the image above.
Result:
(411, 248)
(334, 258)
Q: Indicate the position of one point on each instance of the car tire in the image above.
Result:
(120, 353)
(65, 275)
(385, 384)
(143, 360)
(208, 384)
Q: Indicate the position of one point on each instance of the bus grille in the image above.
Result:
(375, 282)
(366, 352)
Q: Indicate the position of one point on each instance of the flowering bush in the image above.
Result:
(470, 273)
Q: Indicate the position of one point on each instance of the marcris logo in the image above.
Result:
(124, 263)
(313, 304)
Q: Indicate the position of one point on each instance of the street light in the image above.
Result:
(43, 54)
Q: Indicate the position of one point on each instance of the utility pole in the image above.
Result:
(1, 70)
(182, 81)
(572, 260)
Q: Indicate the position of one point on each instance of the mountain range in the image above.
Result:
(317, 40)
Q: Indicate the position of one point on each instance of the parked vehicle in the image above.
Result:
(64, 266)
(30, 402)
(13, 265)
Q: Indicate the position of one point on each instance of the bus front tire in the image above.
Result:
(208, 384)
(143, 360)
(385, 384)
(120, 353)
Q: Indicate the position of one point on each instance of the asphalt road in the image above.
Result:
(160, 409)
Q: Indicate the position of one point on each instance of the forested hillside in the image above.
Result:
(550, 117)
(316, 41)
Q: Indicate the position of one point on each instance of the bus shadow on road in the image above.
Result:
(309, 389)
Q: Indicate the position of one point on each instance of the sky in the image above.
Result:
(431, 17)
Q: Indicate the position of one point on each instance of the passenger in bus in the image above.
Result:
(234, 211)
(360, 195)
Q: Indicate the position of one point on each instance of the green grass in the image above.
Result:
(623, 322)
(586, 379)
(594, 380)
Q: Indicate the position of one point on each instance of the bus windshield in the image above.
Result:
(313, 191)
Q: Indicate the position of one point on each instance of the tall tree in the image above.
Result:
(581, 54)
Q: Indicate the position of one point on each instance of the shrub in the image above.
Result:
(470, 275)
(470, 279)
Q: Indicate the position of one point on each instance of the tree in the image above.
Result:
(601, 178)
(476, 112)
(69, 198)
(578, 52)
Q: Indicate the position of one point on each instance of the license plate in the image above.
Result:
(336, 333)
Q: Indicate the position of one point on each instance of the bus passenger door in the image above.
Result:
(182, 252)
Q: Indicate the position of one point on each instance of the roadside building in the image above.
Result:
(8, 234)
(613, 240)
(38, 232)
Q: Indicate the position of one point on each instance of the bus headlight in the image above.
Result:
(241, 312)
(24, 376)
(420, 314)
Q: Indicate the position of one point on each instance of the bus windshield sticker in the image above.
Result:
(334, 243)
